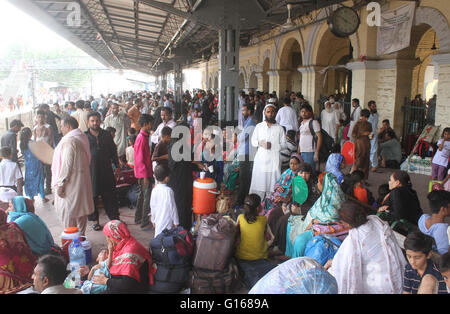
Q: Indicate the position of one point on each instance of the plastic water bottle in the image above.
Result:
(76, 253)
(74, 278)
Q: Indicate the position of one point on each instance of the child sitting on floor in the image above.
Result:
(354, 187)
(254, 239)
(421, 274)
(101, 268)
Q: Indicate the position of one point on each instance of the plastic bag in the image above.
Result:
(322, 248)
(301, 275)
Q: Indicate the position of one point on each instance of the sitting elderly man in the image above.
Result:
(49, 275)
(390, 151)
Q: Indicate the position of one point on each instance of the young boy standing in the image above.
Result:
(164, 210)
(161, 152)
(421, 274)
(10, 174)
(143, 170)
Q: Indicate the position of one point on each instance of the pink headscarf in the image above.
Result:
(129, 254)
(76, 134)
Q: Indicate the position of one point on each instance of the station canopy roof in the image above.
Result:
(143, 35)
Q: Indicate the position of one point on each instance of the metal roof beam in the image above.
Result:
(131, 22)
(97, 28)
(133, 11)
(108, 17)
(168, 8)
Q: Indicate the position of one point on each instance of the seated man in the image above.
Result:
(49, 275)
(435, 225)
(383, 131)
(390, 151)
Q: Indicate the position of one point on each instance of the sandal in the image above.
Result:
(97, 227)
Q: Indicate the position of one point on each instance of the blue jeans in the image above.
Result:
(309, 158)
(253, 271)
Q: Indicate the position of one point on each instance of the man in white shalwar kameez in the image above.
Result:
(354, 117)
(72, 177)
(270, 139)
(119, 120)
(328, 121)
(287, 117)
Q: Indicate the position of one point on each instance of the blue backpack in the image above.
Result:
(322, 248)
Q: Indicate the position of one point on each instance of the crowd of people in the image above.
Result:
(279, 144)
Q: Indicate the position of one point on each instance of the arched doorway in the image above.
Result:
(253, 82)
(291, 60)
(332, 54)
(419, 105)
(241, 81)
(424, 43)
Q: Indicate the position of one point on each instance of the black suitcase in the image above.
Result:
(170, 278)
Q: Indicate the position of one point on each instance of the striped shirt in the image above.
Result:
(412, 279)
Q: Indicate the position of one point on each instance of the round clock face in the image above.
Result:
(344, 22)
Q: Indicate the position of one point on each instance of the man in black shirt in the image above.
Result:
(103, 155)
(9, 139)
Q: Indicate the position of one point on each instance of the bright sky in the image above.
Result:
(17, 27)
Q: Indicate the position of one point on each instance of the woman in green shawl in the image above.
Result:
(324, 210)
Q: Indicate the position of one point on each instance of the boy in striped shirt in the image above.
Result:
(421, 275)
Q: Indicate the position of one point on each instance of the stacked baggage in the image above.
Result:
(214, 270)
(172, 254)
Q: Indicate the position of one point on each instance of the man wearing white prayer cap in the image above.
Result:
(269, 137)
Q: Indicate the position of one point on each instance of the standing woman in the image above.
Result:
(362, 133)
(34, 169)
(181, 178)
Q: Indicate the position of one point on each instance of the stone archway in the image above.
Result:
(435, 19)
(253, 81)
(330, 53)
(243, 84)
(289, 60)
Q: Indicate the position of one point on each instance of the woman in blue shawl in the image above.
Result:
(36, 232)
(324, 210)
(334, 165)
(34, 169)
